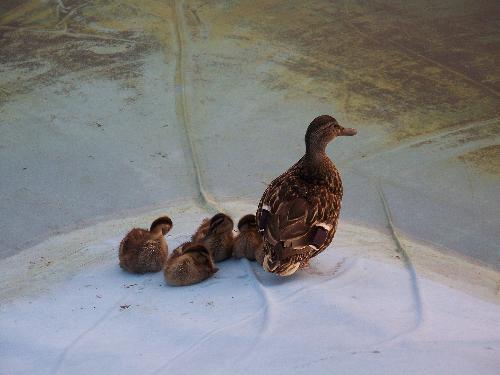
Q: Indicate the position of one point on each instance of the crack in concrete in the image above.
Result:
(407, 262)
(429, 138)
(182, 106)
(71, 12)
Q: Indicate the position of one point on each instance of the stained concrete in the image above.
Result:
(108, 108)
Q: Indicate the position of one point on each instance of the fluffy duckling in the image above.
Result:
(216, 234)
(189, 264)
(143, 250)
(259, 255)
(249, 241)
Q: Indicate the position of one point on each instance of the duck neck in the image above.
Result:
(157, 232)
(316, 153)
(316, 162)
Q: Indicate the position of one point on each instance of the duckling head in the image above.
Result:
(163, 223)
(247, 222)
(221, 223)
(322, 130)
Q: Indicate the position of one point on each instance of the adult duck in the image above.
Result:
(298, 213)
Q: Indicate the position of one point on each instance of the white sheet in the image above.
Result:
(357, 310)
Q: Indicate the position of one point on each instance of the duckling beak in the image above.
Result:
(349, 131)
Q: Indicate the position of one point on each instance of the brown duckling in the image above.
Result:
(298, 212)
(145, 250)
(216, 234)
(259, 255)
(189, 264)
(249, 241)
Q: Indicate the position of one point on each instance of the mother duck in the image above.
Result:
(298, 213)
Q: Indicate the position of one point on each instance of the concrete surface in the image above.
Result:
(113, 112)
(110, 108)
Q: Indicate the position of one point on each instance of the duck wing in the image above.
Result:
(296, 217)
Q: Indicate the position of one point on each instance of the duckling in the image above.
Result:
(189, 264)
(216, 234)
(143, 250)
(298, 212)
(259, 255)
(249, 241)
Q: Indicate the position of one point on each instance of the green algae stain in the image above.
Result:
(356, 57)
(40, 42)
(487, 159)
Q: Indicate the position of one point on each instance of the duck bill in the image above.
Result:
(349, 132)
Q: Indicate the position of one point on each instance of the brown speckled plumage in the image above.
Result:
(298, 212)
(249, 241)
(216, 234)
(189, 264)
(143, 250)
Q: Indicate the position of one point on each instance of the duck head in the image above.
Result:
(247, 222)
(163, 223)
(322, 130)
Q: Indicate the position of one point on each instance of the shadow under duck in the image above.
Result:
(298, 213)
